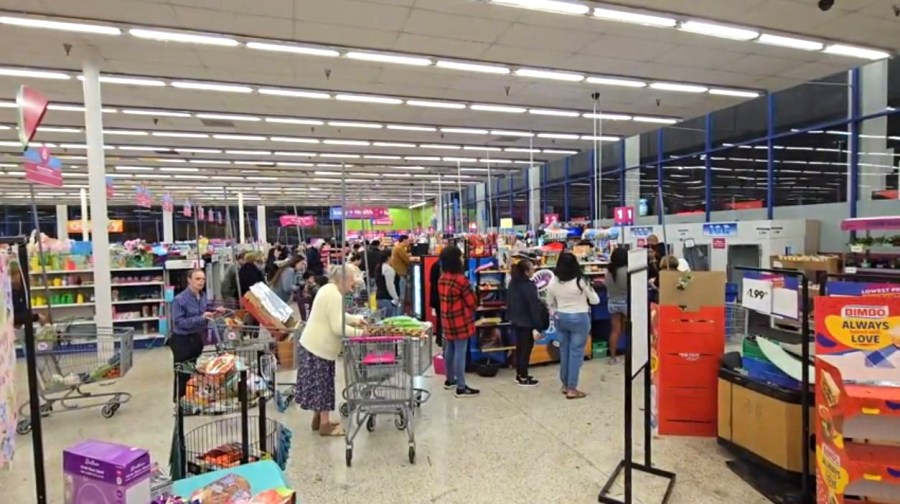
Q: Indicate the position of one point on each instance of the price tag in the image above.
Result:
(857, 248)
(757, 295)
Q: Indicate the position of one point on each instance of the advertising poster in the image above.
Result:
(43, 169)
(654, 368)
(167, 203)
(7, 368)
(110, 187)
(186, 209)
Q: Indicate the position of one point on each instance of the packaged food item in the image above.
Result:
(225, 490)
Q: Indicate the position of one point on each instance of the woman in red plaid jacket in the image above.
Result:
(457, 308)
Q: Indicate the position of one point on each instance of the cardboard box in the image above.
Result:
(95, 472)
(701, 289)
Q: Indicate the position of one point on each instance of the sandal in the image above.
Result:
(316, 422)
(576, 394)
(332, 430)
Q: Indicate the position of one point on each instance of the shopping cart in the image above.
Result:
(213, 383)
(70, 357)
(378, 383)
(735, 322)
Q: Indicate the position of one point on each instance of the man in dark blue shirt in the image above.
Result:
(190, 319)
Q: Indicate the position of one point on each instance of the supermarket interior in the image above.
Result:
(638, 251)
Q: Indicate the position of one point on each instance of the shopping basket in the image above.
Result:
(73, 356)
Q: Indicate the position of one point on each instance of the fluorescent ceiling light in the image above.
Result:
(369, 99)
(520, 149)
(290, 120)
(296, 154)
(293, 49)
(60, 25)
(512, 133)
(178, 169)
(459, 159)
(129, 81)
(249, 152)
(169, 160)
(126, 132)
(345, 142)
(292, 163)
(294, 93)
(414, 168)
(254, 138)
(485, 107)
(717, 30)
(190, 177)
(186, 38)
(327, 173)
(855, 52)
(682, 88)
(608, 117)
(559, 151)
(379, 156)
(339, 156)
(228, 117)
(77, 108)
(393, 144)
(212, 86)
(134, 168)
(197, 151)
(602, 138)
(179, 134)
(555, 6)
(654, 120)
(153, 176)
(634, 17)
(549, 74)
(439, 146)
(422, 158)
(33, 74)
(407, 127)
(226, 177)
(560, 136)
(556, 113)
(790, 42)
(734, 92)
(481, 148)
(352, 124)
(610, 81)
(209, 161)
(57, 129)
(294, 139)
(435, 104)
(388, 58)
(142, 148)
(465, 131)
(472, 67)
(151, 112)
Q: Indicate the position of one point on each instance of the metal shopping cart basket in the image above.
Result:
(378, 383)
(735, 322)
(73, 356)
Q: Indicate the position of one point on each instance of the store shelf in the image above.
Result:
(61, 287)
(137, 301)
(136, 319)
(61, 272)
(148, 336)
(492, 272)
(70, 305)
(492, 324)
(490, 308)
(852, 270)
(120, 270)
(498, 349)
(136, 284)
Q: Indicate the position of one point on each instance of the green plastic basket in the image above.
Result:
(599, 349)
(750, 349)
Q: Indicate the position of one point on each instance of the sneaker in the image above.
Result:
(526, 382)
(467, 392)
(616, 360)
(449, 384)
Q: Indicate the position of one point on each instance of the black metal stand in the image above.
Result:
(34, 400)
(627, 465)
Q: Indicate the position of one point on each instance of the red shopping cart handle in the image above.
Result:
(375, 339)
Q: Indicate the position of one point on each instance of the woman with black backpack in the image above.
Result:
(528, 316)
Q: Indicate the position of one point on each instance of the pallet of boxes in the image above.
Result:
(277, 318)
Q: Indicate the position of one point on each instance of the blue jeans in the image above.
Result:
(572, 330)
(402, 293)
(387, 306)
(455, 361)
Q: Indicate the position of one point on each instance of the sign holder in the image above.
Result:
(806, 489)
(638, 309)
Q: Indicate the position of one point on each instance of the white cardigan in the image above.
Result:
(322, 334)
(566, 297)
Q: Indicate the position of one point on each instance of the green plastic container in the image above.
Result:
(751, 350)
(599, 349)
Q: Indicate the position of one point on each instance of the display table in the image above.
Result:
(262, 476)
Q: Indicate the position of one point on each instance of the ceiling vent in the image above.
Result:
(217, 123)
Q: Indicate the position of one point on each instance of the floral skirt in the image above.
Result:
(315, 382)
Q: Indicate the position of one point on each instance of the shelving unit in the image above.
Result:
(139, 301)
(492, 315)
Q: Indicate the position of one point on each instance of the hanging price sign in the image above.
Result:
(757, 295)
(623, 215)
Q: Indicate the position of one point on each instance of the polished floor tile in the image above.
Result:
(511, 443)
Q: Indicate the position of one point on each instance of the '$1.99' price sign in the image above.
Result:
(757, 295)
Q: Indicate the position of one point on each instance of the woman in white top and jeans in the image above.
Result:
(569, 296)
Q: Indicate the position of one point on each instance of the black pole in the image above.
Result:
(629, 433)
(34, 406)
(648, 435)
(804, 391)
(262, 402)
(245, 418)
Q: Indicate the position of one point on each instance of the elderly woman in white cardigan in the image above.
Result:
(320, 347)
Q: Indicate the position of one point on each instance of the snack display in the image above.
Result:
(400, 326)
(214, 383)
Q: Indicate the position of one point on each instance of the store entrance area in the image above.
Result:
(526, 445)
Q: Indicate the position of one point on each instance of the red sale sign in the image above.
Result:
(297, 220)
(718, 243)
(42, 169)
(623, 216)
(550, 219)
(32, 107)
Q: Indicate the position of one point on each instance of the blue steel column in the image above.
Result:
(770, 155)
(707, 165)
(566, 190)
(660, 201)
(853, 192)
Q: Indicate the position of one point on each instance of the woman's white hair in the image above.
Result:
(338, 273)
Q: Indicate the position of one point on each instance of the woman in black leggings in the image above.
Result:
(528, 317)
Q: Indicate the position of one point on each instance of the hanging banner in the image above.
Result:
(168, 204)
(550, 219)
(384, 221)
(297, 220)
(623, 215)
(41, 168)
(200, 214)
(720, 229)
(8, 397)
(186, 209)
(110, 187)
(32, 107)
(142, 196)
(849, 288)
(210, 216)
(338, 213)
(219, 218)
(113, 226)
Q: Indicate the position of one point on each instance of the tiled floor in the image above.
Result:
(511, 444)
